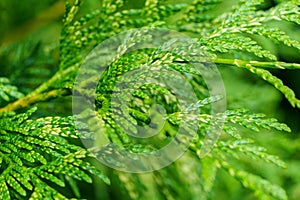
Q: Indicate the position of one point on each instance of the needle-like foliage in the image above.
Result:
(41, 156)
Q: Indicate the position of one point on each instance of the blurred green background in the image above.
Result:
(29, 40)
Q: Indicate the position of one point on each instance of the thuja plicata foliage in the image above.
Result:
(43, 158)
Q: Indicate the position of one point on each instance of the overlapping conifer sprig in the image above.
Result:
(228, 34)
(40, 148)
(234, 35)
(36, 153)
(239, 147)
(8, 91)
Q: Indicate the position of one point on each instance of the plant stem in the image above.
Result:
(39, 93)
(30, 100)
(59, 75)
(269, 65)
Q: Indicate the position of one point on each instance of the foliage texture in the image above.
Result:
(40, 156)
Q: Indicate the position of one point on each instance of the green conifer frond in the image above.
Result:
(35, 152)
(262, 188)
(7, 91)
(235, 42)
(39, 156)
